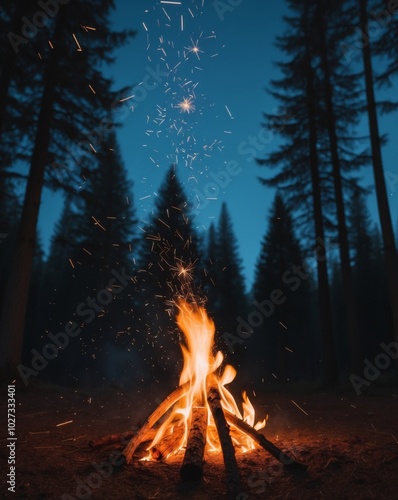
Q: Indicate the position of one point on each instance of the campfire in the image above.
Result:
(201, 413)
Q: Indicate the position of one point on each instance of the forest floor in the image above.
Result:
(349, 443)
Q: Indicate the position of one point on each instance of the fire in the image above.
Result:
(203, 369)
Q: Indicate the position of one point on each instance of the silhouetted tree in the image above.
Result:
(94, 244)
(211, 270)
(370, 278)
(303, 176)
(390, 251)
(282, 344)
(75, 96)
(342, 108)
(169, 267)
(231, 299)
(18, 57)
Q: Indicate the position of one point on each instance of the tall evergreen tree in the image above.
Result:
(18, 56)
(94, 242)
(69, 103)
(339, 89)
(390, 251)
(231, 299)
(282, 344)
(169, 265)
(211, 270)
(303, 174)
(370, 278)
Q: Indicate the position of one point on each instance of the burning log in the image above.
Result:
(167, 403)
(231, 467)
(168, 444)
(262, 441)
(192, 466)
(202, 388)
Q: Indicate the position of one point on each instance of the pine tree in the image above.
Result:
(304, 173)
(169, 265)
(370, 278)
(211, 271)
(69, 104)
(16, 60)
(384, 45)
(340, 90)
(390, 251)
(94, 239)
(231, 299)
(282, 345)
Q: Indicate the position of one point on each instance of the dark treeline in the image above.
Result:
(101, 307)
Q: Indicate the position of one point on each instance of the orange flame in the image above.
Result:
(201, 370)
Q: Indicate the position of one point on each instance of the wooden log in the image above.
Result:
(167, 403)
(263, 441)
(168, 443)
(120, 437)
(234, 487)
(192, 466)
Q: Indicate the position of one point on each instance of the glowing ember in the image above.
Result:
(186, 105)
(201, 371)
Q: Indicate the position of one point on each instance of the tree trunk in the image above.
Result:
(329, 366)
(12, 320)
(387, 232)
(350, 301)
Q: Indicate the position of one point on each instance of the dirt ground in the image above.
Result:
(349, 443)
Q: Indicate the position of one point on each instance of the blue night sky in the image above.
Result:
(225, 83)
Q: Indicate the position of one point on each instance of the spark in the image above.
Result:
(195, 49)
(186, 105)
(86, 28)
(165, 13)
(182, 22)
(64, 423)
(299, 407)
(126, 98)
(79, 49)
(229, 112)
(160, 220)
(97, 223)
(145, 28)
(167, 1)
(184, 271)
(91, 88)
